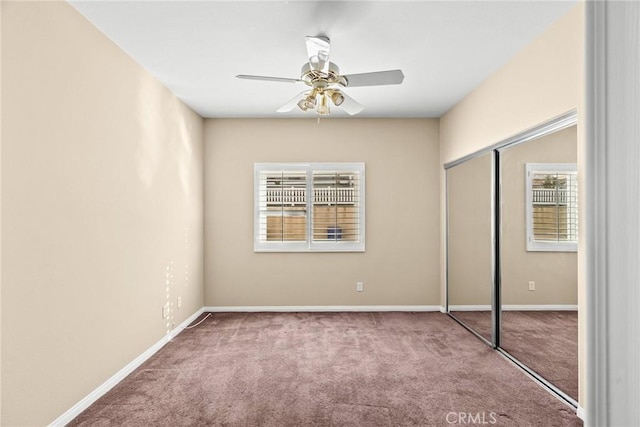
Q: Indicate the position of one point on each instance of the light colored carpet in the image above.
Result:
(327, 369)
(545, 341)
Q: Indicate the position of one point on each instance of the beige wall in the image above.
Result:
(542, 81)
(555, 273)
(101, 210)
(400, 265)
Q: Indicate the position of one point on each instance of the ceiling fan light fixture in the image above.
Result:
(323, 108)
(337, 98)
(303, 105)
(310, 102)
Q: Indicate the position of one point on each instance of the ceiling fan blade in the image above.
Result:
(350, 105)
(318, 52)
(293, 102)
(377, 78)
(268, 79)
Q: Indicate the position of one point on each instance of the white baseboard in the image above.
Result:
(77, 409)
(516, 307)
(544, 307)
(469, 307)
(186, 323)
(321, 308)
(581, 413)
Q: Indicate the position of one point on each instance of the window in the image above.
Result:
(287, 219)
(552, 207)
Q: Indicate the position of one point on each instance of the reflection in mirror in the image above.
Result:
(539, 318)
(469, 243)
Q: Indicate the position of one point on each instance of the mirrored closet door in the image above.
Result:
(538, 256)
(512, 241)
(469, 243)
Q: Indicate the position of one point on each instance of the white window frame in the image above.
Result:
(309, 245)
(537, 245)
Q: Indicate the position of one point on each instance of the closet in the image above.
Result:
(511, 250)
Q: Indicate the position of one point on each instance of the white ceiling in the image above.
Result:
(445, 48)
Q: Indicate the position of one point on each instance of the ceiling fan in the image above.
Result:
(325, 81)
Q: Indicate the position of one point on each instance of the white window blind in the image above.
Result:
(331, 219)
(552, 207)
(283, 206)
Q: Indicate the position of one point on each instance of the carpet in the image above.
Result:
(327, 369)
(545, 341)
(479, 321)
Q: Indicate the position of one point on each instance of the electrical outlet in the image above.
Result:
(532, 286)
(179, 302)
(359, 286)
(165, 311)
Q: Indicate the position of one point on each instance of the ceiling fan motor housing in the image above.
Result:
(319, 79)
